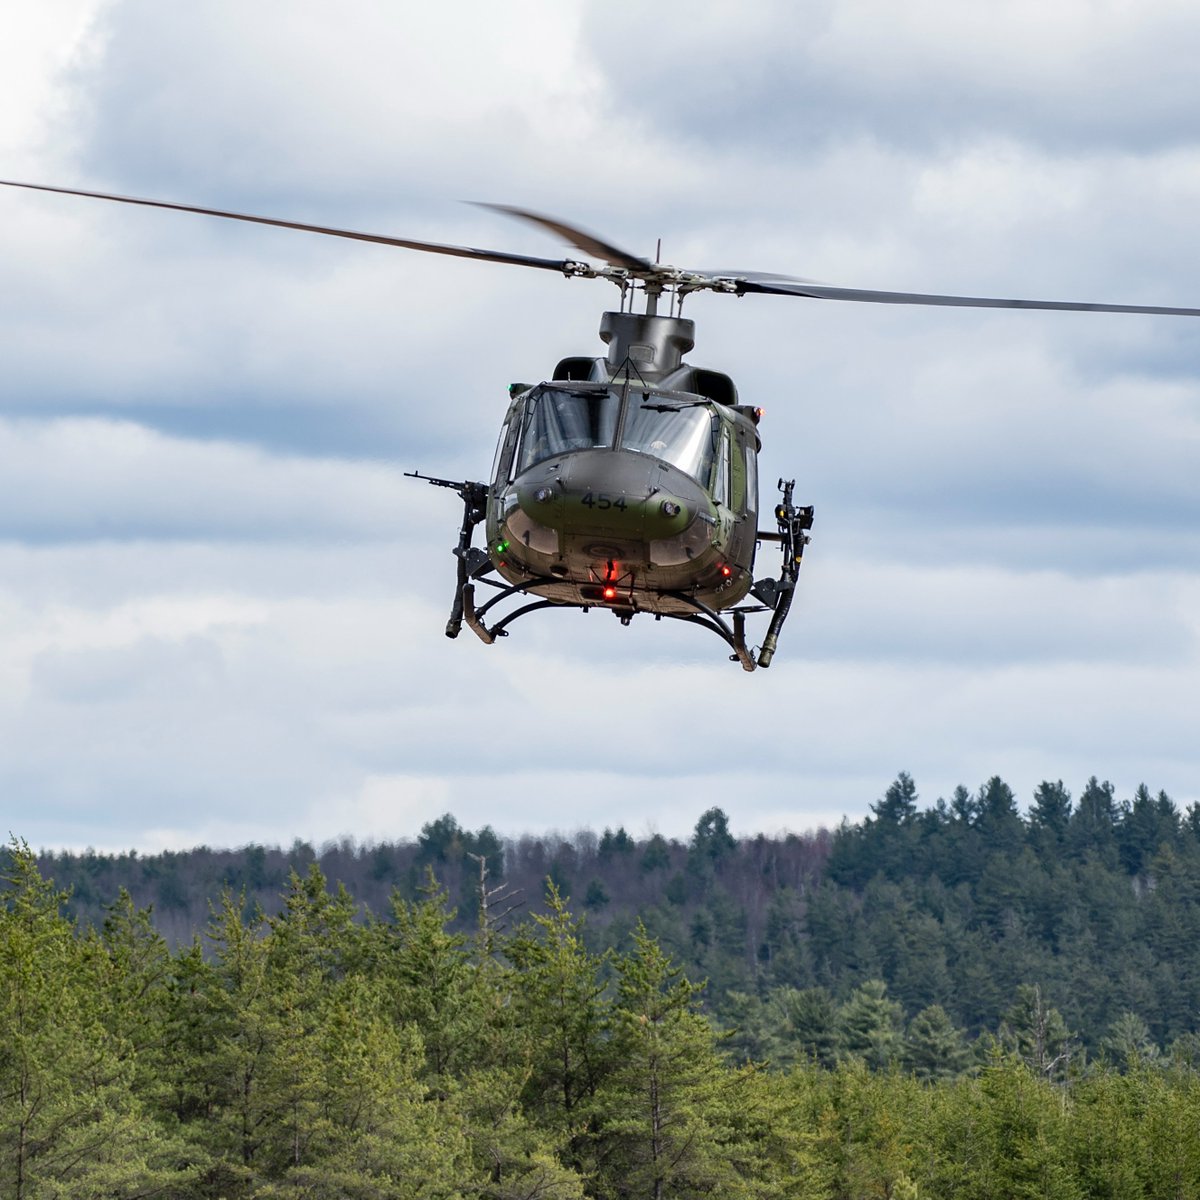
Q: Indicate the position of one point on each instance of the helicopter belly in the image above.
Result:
(618, 528)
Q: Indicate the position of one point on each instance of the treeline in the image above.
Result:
(612, 876)
(963, 906)
(320, 1055)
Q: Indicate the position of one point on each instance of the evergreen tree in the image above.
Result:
(1092, 829)
(1128, 1043)
(1149, 824)
(802, 1026)
(613, 844)
(869, 1025)
(934, 1047)
(562, 1014)
(665, 1116)
(899, 803)
(133, 972)
(712, 840)
(70, 1124)
(432, 982)
(656, 856)
(1037, 1034)
(1049, 817)
(998, 823)
(1007, 1133)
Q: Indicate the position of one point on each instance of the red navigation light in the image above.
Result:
(726, 570)
(610, 592)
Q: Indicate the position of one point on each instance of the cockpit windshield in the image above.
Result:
(557, 421)
(671, 426)
(681, 432)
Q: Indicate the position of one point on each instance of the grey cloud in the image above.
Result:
(795, 79)
(81, 479)
(237, 628)
(98, 675)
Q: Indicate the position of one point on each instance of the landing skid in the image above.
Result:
(775, 595)
(704, 617)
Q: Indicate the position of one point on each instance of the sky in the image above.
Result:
(222, 604)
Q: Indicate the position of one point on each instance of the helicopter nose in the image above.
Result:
(611, 495)
(600, 512)
(587, 514)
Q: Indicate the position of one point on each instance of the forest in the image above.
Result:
(959, 1000)
(324, 1053)
(965, 908)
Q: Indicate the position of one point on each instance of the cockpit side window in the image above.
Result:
(751, 459)
(502, 464)
(721, 484)
(737, 473)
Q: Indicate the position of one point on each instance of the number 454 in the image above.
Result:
(602, 501)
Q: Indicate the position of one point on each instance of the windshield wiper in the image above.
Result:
(674, 407)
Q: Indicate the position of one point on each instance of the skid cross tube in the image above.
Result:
(474, 616)
(793, 522)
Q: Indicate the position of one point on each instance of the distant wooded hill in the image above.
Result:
(1086, 908)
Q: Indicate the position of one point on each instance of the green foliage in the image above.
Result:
(1007, 1133)
(562, 1016)
(71, 1123)
(868, 1026)
(316, 1054)
(934, 1047)
(712, 841)
(1036, 1033)
(664, 1123)
(1095, 901)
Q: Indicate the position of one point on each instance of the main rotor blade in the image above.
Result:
(765, 285)
(519, 260)
(579, 238)
(757, 276)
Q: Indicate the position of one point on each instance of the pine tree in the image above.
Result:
(934, 1047)
(1128, 1043)
(562, 1015)
(1037, 1033)
(666, 1122)
(433, 982)
(1049, 816)
(70, 1123)
(869, 1026)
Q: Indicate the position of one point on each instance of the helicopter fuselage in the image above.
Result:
(624, 494)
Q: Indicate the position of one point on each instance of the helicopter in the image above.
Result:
(628, 481)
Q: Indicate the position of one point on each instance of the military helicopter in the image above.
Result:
(629, 482)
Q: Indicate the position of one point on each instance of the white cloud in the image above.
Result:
(42, 40)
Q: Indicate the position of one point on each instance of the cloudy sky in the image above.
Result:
(221, 604)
